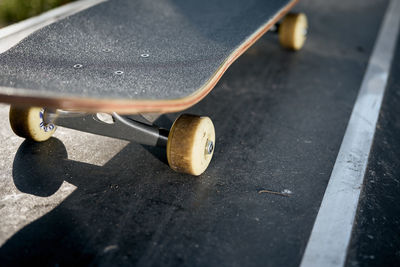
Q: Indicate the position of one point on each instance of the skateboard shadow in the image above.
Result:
(133, 209)
(89, 226)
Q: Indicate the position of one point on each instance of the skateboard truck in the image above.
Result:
(130, 128)
(189, 144)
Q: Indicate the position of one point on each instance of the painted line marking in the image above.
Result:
(330, 236)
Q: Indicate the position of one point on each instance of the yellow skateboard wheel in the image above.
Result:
(28, 122)
(293, 31)
(190, 145)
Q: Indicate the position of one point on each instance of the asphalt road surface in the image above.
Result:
(280, 118)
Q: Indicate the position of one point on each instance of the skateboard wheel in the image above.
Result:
(28, 122)
(191, 143)
(293, 31)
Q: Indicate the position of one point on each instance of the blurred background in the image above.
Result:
(12, 11)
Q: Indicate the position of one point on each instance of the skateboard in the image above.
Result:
(110, 68)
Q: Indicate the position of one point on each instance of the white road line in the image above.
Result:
(332, 229)
(13, 34)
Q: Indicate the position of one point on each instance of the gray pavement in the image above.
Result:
(280, 119)
(375, 239)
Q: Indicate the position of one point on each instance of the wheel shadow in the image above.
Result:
(90, 225)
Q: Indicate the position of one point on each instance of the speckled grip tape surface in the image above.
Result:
(125, 49)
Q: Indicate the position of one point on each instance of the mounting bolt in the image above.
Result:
(209, 147)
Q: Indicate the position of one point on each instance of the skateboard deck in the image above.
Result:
(133, 57)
